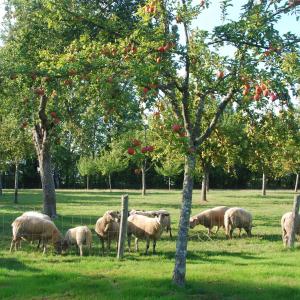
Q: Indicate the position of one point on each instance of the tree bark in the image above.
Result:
(264, 185)
(1, 184)
(181, 244)
(207, 181)
(109, 181)
(295, 216)
(204, 187)
(42, 142)
(16, 182)
(87, 182)
(297, 182)
(143, 180)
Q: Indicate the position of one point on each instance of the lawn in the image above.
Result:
(242, 268)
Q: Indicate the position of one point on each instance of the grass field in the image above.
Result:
(245, 268)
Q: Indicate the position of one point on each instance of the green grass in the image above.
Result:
(245, 268)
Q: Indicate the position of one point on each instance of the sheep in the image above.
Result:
(36, 214)
(155, 213)
(107, 228)
(286, 227)
(237, 217)
(35, 228)
(143, 227)
(210, 218)
(79, 236)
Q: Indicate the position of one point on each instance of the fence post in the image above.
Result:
(123, 227)
(291, 238)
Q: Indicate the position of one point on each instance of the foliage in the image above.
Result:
(86, 166)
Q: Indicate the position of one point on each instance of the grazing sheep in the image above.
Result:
(156, 213)
(79, 236)
(143, 227)
(36, 214)
(210, 218)
(33, 228)
(286, 226)
(107, 228)
(237, 217)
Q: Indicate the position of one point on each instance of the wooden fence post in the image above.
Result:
(291, 238)
(123, 227)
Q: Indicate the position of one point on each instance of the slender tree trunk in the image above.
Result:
(87, 182)
(181, 245)
(295, 221)
(169, 183)
(56, 179)
(204, 186)
(207, 181)
(143, 180)
(264, 185)
(16, 182)
(109, 181)
(297, 182)
(1, 185)
(42, 142)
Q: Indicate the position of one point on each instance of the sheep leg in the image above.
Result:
(209, 231)
(129, 242)
(230, 233)
(240, 230)
(45, 248)
(218, 227)
(13, 243)
(170, 232)
(248, 230)
(108, 245)
(147, 245)
(80, 249)
(154, 245)
(102, 242)
(136, 243)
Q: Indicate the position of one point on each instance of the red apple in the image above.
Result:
(39, 91)
(258, 90)
(256, 97)
(161, 49)
(273, 96)
(176, 127)
(144, 149)
(150, 148)
(131, 151)
(145, 90)
(220, 74)
(263, 86)
(53, 114)
(266, 93)
(136, 143)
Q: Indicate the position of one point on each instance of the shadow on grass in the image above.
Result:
(15, 265)
(103, 284)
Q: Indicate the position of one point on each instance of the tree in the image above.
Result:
(87, 167)
(111, 161)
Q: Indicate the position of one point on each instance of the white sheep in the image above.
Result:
(143, 227)
(237, 217)
(79, 236)
(156, 213)
(210, 218)
(36, 214)
(33, 228)
(286, 226)
(107, 228)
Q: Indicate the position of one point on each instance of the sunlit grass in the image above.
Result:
(245, 268)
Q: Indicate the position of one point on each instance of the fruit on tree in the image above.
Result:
(53, 114)
(130, 151)
(220, 74)
(176, 127)
(136, 143)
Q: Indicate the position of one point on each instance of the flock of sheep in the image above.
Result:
(146, 225)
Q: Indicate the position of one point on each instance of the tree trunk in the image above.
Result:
(264, 185)
(207, 181)
(181, 244)
(143, 180)
(109, 182)
(204, 186)
(1, 185)
(87, 182)
(294, 225)
(16, 182)
(169, 183)
(297, 182)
